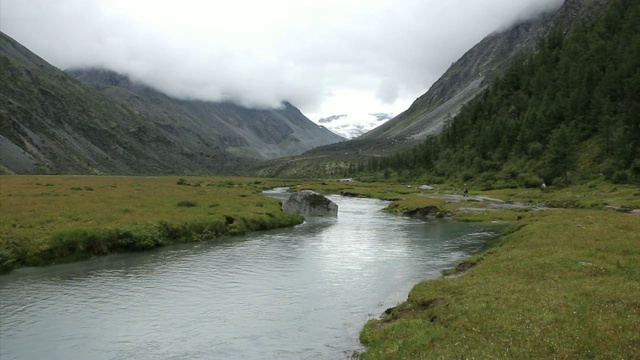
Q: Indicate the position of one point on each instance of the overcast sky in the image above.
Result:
(326, 57)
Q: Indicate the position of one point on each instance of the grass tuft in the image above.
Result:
(187, 203)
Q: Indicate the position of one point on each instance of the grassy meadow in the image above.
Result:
(562, 283)
(49, 219)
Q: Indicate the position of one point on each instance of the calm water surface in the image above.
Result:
(299, 293)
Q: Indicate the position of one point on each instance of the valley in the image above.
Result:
(530, 142)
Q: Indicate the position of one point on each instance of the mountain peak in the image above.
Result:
(354, 125)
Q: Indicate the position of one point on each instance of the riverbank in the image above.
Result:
(55, 219)
(561, 283)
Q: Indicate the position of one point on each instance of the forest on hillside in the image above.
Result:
(569, 112)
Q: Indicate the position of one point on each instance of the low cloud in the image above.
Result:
(258, 53)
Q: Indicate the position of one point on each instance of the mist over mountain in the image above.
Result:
(92, 120)
(475, 70)
(52, 123)
(268, 133)
(465, 79)
(258, 54)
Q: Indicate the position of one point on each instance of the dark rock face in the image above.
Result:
(310, 203)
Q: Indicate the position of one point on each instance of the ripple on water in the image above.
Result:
(293, 293)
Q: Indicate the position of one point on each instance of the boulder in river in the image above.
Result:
(310, 203)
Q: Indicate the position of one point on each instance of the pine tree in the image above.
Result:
(562, 152)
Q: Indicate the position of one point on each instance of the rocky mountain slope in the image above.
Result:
(52, 123)
(241, 131)
(474, 71)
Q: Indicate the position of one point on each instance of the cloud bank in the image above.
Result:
(259, 53)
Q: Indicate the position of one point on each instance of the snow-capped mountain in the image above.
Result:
(353, 125)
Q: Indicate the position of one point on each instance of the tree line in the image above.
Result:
(570, 111)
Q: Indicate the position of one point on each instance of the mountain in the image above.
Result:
(354, 125)
(463, 81)
(264, 134)
(52, 123)
(566, 113)
(476, 69)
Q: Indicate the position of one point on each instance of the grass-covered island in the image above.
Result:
(563, 282)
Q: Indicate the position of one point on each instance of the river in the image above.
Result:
(297, 293)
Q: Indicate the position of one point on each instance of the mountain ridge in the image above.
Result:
(465, 79)
(51, 123)
(474, 71)
(267, 134)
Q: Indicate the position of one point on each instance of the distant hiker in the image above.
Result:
(544, 186)
(466, 191)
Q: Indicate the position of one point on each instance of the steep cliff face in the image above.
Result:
(52, 123)
(473, 72)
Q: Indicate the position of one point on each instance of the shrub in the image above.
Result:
(68, 243)
(621, 177)
(187, 204)
(529, 180)
(8, 259)
(466, 176)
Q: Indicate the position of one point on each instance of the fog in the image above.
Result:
(325, 57)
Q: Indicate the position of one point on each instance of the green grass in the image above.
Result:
(562, 283)
(50, 219)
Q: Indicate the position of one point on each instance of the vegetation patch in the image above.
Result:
(561, 284)
(104, 215)
(187, 203)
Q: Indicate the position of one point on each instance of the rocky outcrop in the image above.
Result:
(309, 203)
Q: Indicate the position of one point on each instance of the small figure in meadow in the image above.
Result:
(543, 187)
(466, 191)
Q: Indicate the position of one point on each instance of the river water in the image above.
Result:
(298, 293)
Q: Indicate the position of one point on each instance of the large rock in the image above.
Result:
(310, 203)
